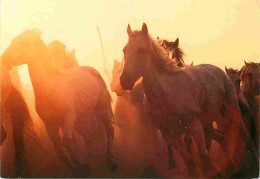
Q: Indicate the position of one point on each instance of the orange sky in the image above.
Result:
(222, 32)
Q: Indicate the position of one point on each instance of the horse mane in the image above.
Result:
(61, 57)
(178, 54)
(160, 58)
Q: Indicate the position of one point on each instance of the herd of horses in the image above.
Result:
(175, 102)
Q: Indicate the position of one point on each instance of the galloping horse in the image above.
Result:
(63, 98)
(14, 109)
(196, 96)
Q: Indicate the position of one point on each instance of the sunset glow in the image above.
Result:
(220, 32)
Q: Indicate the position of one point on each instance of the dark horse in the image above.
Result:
(181, 99)
(250, 167)
(15, 110)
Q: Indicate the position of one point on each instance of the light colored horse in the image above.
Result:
(63, 98)
(196, 96)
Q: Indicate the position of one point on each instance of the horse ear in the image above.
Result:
(129, 30)
(158, 38)
(177, 42)
(145, 29)
(240, 71)
(226, 69)
(245, 63)
(191, 64)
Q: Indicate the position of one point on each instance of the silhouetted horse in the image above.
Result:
(14, 109)
(64, 98)
(196, 96)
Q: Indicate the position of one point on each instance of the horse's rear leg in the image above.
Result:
(112, 165)
(53, 132)
(69, 139)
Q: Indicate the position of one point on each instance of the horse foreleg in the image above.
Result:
(188, 141)
(197, 133)
(172, 163)
(53, 132)
(3, 133)
(179, 145)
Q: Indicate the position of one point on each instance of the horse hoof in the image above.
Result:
(172, 165)
(112, 166)
(82, 172)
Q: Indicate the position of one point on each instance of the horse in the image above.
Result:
(250, 87)
(174, 52)
(250, 77)
(15, 110)
(196, 96)
(64, 99)
(246, 113)
(251, 163)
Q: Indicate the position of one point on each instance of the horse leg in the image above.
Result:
(188, 141)
(172, 163)
(197, 133)
(112, 165)
(53, 132)
(3, 133)
(180, 146)
(69, 139)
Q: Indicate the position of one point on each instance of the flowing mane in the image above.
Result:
(178, 54)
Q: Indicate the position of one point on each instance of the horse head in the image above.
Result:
(234, 75)
(137, 53)
(24, 49)
(250, 77)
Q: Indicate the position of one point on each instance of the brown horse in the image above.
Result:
(196, 96)
(249, 168)
(15, 110)
(64, 98)
(250, 77)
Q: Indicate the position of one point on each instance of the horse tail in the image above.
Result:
(18, 112)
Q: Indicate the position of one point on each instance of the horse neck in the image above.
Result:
(40, 78)
(153, 79)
